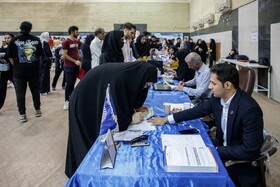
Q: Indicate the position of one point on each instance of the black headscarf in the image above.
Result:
(142, 49)
(127, 81)
(112, 47)
(183, 72)
(86, 60)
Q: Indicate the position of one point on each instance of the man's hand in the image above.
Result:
(158, 121)
(180, 88)
(78, 63)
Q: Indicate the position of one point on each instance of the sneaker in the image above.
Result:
(38, 113)
(45, 94)
(22, 118)
(66, 105)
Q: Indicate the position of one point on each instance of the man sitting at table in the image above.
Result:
(201, 79)
(239, 121)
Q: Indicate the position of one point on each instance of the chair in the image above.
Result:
(247, 79)
(269, 147)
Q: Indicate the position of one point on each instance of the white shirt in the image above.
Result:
(95, 49)
(126, 51)
(224, 117)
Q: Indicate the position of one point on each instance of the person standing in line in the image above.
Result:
(46, 63)
(86, 53)
(59, 63)
(24, 52)
(96, 46)
(212, 54)
(129, 31)
(71, 62)
(5, 75)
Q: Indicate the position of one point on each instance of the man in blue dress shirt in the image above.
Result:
(200, 81)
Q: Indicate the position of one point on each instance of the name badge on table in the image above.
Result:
(109, 152)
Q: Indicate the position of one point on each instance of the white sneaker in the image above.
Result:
(66, 105)
(22, 118)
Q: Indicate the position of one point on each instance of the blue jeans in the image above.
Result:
(71, 74)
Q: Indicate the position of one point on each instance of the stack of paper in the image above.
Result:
(187, 153)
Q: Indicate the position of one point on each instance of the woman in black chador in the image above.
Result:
(128, 86)
(112, 47)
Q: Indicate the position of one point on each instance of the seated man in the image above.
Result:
(239, 121)
(201, 79)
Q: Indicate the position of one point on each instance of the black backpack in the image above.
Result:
(263, 61)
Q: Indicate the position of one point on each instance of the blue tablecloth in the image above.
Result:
(143, 166)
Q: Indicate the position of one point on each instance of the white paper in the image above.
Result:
(171, 86)
(180, 106)
(189, 159)
(127, 135)
(182, 140)
(143, 126)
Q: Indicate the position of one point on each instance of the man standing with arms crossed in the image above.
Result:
(71, 62)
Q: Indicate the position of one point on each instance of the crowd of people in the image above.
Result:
(115, 60)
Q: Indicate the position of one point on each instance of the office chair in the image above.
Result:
(247, 79)
(269, 147)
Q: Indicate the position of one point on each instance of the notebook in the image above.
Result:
(161, 87)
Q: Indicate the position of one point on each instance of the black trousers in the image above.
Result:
(21, 86)
(4, 76)
(71, 74)
(245, 175)
(45, 78)
(58, 71)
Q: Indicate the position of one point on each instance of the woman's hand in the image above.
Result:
(142, 109)
(137, 117)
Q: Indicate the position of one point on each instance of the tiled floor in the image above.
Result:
(33, 153)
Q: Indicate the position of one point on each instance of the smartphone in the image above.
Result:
(140, 144)
(139, 139)
(189, 131)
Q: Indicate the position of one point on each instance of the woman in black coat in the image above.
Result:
(86, 59)
(212, 54)
(128, 86)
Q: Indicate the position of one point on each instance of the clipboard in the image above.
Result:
(109, 152)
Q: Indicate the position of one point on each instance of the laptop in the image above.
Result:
(158, 64)
(161, 87)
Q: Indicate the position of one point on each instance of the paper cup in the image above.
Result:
(166, 108)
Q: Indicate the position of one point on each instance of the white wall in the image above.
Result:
(248, 30)
(275, 48)
(225, 38)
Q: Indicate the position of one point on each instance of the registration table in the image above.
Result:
(144, 166)
(255, 67)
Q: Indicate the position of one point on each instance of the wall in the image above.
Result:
(247, 27)
(275, 48)
(57, 17)
(200, 8)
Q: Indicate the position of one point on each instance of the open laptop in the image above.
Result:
(158, 64)
(161, 87)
